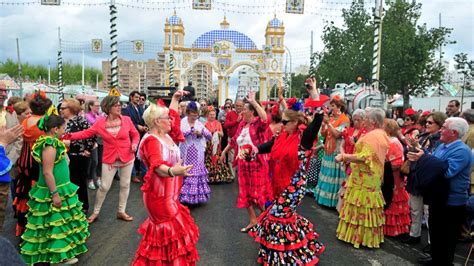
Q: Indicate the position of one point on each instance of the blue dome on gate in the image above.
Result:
(240, 40)
(175, 20)
(275, 23)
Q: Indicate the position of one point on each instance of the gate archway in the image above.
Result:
(225, 50)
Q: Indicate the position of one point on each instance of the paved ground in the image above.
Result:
(114, 242)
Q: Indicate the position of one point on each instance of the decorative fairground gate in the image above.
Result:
(224, 50)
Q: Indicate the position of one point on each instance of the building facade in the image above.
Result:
(136, 75)
(202, 81)
(248, 80)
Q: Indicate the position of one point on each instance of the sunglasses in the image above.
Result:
(226, 107)
(284, 122)
(430, 122)
(407, 119)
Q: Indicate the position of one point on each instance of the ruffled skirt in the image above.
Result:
(171, 242)
(331, 177)
(362, 218)
(291, 240)
(53, 234)
(195, 189)
(397, 216)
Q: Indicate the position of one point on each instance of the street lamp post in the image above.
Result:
(462, 90)
(289, 52)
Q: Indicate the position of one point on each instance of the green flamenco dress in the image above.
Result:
(53, 234)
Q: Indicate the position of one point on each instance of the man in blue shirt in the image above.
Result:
(445, 219)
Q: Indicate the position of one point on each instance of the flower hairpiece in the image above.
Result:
(297, 106)
(160, 102)
(290, 102)
(275, 110)
(336, 98)
(42, 122)
(39, 93)
(193, 106)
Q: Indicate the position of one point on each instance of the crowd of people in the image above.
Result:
(385, 176)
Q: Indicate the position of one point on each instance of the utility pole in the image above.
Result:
(145, 86)
(440, 64)
(139, 82)
(378, 13)
(171, 76)
(49, 73)
(19, 66)
(83, 74)
(113, 45)
(311, 48)
(60, 69)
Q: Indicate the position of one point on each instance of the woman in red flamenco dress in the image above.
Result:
(169, 233)
(285, 237)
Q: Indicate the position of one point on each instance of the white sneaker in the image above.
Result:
(91, 185)
(70, 261)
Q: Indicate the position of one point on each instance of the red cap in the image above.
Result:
(410, 111)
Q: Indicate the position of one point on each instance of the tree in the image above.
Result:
(348, 50)
(465, 67)
(408, 62)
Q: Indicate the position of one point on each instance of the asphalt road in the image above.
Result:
(114, 242)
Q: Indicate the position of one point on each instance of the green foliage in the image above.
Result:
(72, 73)
(297, 85)
(408, 62)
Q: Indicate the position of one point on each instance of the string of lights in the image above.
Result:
(311, 7)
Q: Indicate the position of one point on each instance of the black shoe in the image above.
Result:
(427, 249)
(425, 259)
(412, 240)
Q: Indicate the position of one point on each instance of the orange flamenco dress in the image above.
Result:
(362, 217)
(169, 233)
(28, 170)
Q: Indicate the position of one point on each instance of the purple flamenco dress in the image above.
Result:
(195, 188)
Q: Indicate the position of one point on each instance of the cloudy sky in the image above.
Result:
(36, 25)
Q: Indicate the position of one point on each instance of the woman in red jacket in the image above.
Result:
(120, 140)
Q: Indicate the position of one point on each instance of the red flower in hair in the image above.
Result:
(426, 113)
(275, 110)
(290, 102)
(10, 109)
(336, 98)
(40, 93)
(160, 102)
